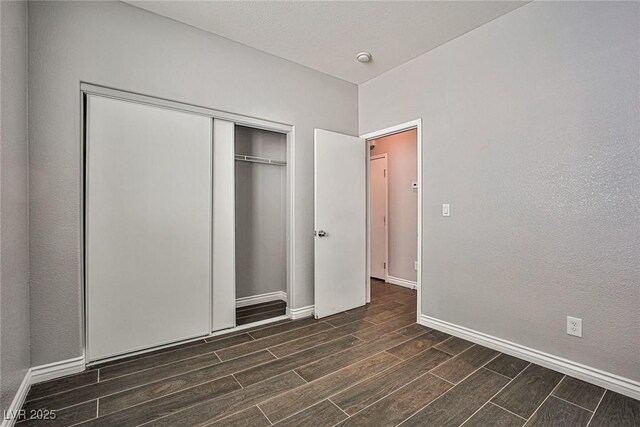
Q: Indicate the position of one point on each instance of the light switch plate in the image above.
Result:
(446, 211)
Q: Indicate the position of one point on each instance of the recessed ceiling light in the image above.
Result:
(364, 57)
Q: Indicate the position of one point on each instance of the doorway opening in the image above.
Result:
(260, 224)
(394, 211)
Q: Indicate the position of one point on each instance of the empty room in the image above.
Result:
(320, 213)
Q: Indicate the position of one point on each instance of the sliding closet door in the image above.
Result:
(224, 261)
(148, 226)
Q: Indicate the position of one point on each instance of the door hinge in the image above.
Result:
(385, 173)
(385, 265)
(384, 219)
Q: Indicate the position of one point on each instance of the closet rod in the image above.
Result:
(255, 159)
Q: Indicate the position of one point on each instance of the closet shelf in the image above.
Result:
(263, 160)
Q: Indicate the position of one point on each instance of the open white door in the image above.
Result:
(340, 222)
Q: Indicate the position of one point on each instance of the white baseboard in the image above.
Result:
(10, 414)
(299, 313)
(259, 299)
(401, 282)
(595, 376)
(57, 369)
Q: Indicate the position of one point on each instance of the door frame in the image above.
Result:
(87, 88)
(386, 215)
(392, 130)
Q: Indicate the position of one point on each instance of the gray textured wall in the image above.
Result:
(261, 248)
(117, 45)
(531, 132)
(402, 170)
(14, 213)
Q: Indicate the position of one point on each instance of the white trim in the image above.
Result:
(392, 129)
(367, 281)
(610, 381)
(238, 119)
(401, 282)
(57, 369)
(291, 216)
(259, 299)
(299, 313)
(8, 415)
(413, 124)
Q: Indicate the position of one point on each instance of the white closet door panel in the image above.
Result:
(148, 222)
(224, 255)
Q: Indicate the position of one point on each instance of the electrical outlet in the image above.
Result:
(574, 326)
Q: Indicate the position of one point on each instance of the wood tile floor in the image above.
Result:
(256, 312)
(370, 366)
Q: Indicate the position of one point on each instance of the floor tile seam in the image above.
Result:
(179, 391)
(209, 421)
(571, 403)
(396, 390)
(340, 391)
(597, 407)
(545, 399)
(164, 364)
(457, 384)
(307, 348)
(510, 380)
(269, 347)
(267, 326)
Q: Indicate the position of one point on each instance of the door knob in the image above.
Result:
(321, 233)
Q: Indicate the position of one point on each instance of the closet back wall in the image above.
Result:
(117, 45)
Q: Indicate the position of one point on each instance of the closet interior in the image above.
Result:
(260, 224)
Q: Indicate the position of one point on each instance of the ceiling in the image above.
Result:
(327, 35)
